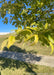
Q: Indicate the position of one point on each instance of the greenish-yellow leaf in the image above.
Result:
(35, 40)
(51, 39)
(4, 44)
(34, 23)
(11, 41)
(51, 47)
(28, 38)
(46, 25)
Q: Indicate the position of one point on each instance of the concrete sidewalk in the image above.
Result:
(30, 58)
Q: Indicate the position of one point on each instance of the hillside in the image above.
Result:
(20, 47)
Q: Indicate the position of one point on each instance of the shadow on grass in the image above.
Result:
(9, 63)
(19, 56)
(14, 49)
(18, 49)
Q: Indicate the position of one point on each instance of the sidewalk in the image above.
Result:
(30, 58)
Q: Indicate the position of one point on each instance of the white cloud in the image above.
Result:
(4, 33)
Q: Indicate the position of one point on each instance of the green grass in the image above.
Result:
(37, 49)
(14, 67)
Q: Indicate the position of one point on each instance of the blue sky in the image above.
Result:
(6, 27)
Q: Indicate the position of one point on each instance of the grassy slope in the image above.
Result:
(39, 49)
(13, 67)
(2, 38)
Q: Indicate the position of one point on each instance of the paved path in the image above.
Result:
(30, 58)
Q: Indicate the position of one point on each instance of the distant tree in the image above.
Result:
(34, 19)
